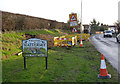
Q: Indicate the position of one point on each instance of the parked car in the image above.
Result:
(107, 33)
(118, 38)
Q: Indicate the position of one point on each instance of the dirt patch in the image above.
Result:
(4, 57)
(28, 36)
(49, 39)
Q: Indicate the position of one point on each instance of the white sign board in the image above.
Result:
(74, 23)
(34, 47)
(73, 19)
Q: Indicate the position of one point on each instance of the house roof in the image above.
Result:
(85, 25)
(111, 26)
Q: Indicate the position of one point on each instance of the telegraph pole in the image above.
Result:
(81, 21)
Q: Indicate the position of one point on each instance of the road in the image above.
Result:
(109, 48)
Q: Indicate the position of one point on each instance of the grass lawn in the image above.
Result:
(72, 64)
(64, 65)
(12, 41)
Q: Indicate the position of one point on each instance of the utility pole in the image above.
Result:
(81, 20)
(119, 11)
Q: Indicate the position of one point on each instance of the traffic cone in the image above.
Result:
(59, 44)
(88, 39)
(81, 44)
(103, 70)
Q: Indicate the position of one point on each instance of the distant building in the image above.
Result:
(86, 27)
(119, 11)
(112, 28)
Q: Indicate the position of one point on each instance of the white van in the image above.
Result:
(107, 33)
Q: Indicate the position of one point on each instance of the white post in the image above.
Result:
(119, 11)
(81, 19)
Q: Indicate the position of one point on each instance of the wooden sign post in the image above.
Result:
(34, 47)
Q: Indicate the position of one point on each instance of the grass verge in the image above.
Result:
(73, 64)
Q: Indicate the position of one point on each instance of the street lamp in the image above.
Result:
(81, 20)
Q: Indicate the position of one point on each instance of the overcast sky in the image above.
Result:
(104, 11)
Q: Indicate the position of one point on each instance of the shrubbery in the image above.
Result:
(13, 22)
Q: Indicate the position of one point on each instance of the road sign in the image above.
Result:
(34, 47)
(74, 29)
(74, 23)
(73, 19)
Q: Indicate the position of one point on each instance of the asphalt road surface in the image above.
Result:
(109, 48)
